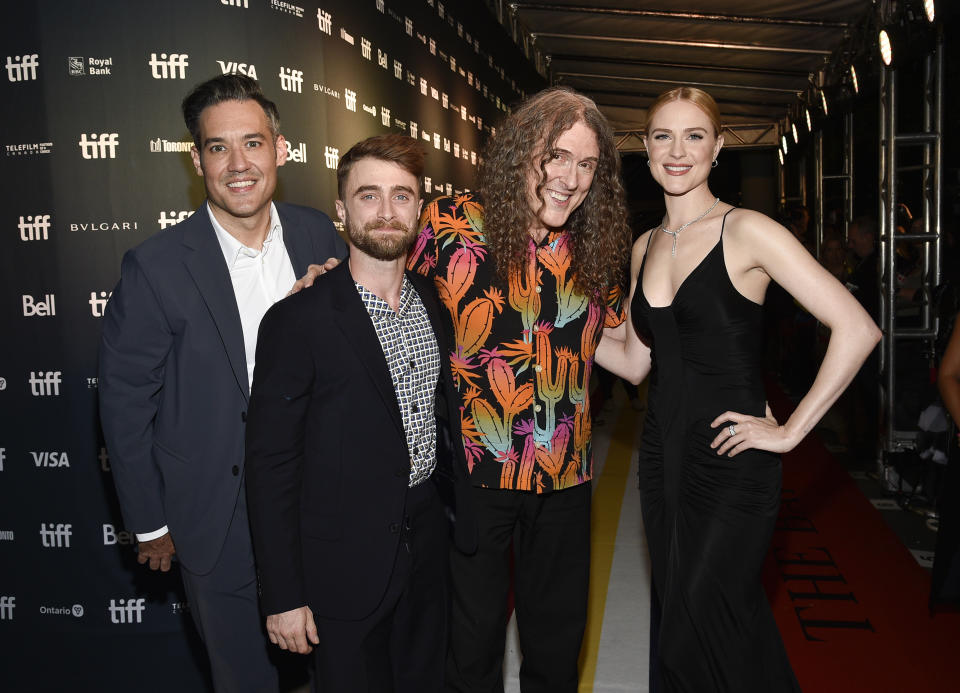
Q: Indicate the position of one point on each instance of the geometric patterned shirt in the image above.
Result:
(521, 354)
(413, 358)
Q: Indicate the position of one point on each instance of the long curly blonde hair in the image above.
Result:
(525, 141)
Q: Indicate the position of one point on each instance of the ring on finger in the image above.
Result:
(732, 430)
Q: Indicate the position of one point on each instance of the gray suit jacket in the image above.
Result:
(173, 379)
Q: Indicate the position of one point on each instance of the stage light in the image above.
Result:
(854, 80)
(796, 137)
(806, 112)
(783, 143)
(780, 156)
(929, 10)
(886, 51)
(823, 102)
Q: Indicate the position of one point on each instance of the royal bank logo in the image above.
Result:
(45, 383)
(331, 157)
(111, 537)
(296, 152)
(173, 66)
(160, 145)
(286, 8)
(34, 228)
(43, 307)
(291, 79)
(29, 149)
(350, 99)
(7, 605)
(325, 21)
(229, 67)
(105, 226)
(98, 302)
(235, 3)
(126, 611)
(172, 218)
(57, 536)
(80, 66)
(22, 68)
(366, 48)
(102, 146)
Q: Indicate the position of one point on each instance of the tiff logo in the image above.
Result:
(174, 67)
(397, 69)
(7, 605)
(3, 452)
(325, 20)
(174, 217)
(22, 68)
(366, 48)
(102, 146)
(234, 3)
(41, 308)
(385, 116)
(290, 79)
(34, 228)
(104, 458)
(57, 537)
(331, 156)
(99, 303)
(127, 610)
(413, 129)
(45, 384)
(350, 99)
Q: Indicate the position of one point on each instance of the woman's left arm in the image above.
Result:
(853, 334)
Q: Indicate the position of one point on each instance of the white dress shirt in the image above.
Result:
(260, 278)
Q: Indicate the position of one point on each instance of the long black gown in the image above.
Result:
(709, 519)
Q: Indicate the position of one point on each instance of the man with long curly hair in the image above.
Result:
(529, 272)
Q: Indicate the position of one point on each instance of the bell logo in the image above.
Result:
(298, 153)
(173, 67)
(230, 67)
(127, 610)
(57, 537)
(45, 384)
(99, 303)
(102, 146)
(22, 68)
(325, 20)
(50, 459)
(290, 79)
(34, 228)
(7, 605)
(171, 218)
(44, 307)
(111, 536)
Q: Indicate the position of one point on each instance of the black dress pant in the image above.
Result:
(400, 647)
(550, 537)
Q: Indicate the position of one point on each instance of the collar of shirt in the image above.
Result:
(378, 308)
(233, 249)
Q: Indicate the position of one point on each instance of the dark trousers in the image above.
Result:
(400, 647)
(224, 607)
(550, 536)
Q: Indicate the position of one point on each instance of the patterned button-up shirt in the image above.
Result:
(413, 359)
(521, 361)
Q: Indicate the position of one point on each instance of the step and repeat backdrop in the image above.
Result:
(95, 158)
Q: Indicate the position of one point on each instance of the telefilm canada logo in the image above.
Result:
(79, 66)
(29, 149)
(287, 8)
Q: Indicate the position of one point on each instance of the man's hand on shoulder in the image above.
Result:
(291, 630)
(313, 271)
(158, 551)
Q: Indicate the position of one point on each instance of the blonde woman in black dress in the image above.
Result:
(709, 458)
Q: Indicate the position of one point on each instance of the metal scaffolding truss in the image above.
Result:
(739, 136)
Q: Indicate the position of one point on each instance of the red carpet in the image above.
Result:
(849, 598)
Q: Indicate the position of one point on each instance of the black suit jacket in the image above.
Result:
(173, 379)
(327, 460)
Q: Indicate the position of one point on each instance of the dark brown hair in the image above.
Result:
(402, 150)
(230, 87)
(524, 142)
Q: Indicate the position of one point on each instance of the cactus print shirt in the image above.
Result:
(522, 359)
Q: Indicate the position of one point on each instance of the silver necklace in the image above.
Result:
(676, 233)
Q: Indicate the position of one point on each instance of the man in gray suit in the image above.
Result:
(176, 363)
